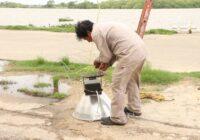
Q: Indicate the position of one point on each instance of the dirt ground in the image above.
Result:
(25, 117)
(177, 119)
(31, 118)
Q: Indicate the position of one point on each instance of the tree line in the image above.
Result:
(109, 4)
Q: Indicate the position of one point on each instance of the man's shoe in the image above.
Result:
(108, 121)
(128, 112)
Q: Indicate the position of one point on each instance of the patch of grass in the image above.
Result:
(41, 85)
(5, 82)
(58, 95)
(161, 31)
(58, 28)
(150, 76)
(192, 74)
(65, 61)
(58, 69)
(33, 92)
(55, 82)
(76, 71)
(40, 61)
(65, 19)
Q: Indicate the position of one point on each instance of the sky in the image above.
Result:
(30, 2)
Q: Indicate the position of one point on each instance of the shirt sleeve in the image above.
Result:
(105, 55)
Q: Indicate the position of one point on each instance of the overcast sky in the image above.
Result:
(44, 1)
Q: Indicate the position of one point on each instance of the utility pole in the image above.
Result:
(144, 17)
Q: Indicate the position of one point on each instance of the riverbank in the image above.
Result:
(177, 53)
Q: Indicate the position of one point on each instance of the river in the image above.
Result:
(179, 19)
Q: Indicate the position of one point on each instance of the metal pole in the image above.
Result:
(144, 17)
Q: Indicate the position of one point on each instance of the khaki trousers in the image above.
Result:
(126, 79)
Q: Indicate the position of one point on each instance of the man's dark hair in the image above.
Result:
(82, 28)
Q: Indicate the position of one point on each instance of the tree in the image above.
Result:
(50, 4)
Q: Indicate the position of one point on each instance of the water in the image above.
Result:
(63, 87)
(179, 19)
(25, 82)
(28, 82)
(2, 64)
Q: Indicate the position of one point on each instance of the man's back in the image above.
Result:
(120, 39)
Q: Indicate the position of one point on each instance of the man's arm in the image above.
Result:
(112, 61)
(100, 40)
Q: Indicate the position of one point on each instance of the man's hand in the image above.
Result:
(103, 66)
(97, 64)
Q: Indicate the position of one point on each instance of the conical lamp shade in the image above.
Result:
(92, 108)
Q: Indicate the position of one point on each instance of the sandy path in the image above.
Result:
(175, 53)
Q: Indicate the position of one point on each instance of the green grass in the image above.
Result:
(153, 77)
(58, 95)
(66, 69)
(33, 92)
(41, 85)
(161, 31)
(150, 76)
(65, 19)
(63, 68)
(192, 74)
(55, 82)
(58, 28)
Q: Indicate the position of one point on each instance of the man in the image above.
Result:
(117, 42)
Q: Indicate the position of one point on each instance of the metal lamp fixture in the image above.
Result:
(94, 104)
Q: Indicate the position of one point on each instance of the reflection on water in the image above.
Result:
(2, 64)
(63, 87)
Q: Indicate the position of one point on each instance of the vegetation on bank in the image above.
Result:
(109, 4)
(161, 31)
(76, 71)
(65, 19)
(71, 28)
(58, 28)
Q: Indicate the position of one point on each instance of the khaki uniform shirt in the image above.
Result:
(116, 41)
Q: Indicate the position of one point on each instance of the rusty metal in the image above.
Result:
(144, 17)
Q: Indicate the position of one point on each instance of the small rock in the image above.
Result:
(198, 88)
(48, 124)
(172, 135)
(184, 138)
(169, 138)
(156, 134)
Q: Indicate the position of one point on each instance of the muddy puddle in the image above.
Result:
(13, 85)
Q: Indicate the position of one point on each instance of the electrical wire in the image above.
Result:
(98, 12)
